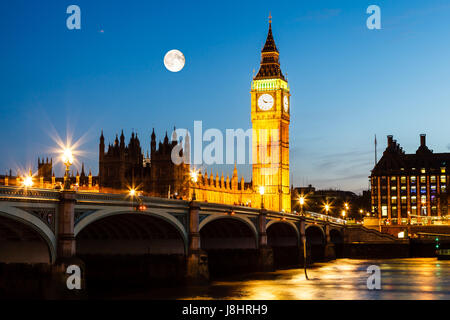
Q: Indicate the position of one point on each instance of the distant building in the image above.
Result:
(315, 201)
(408, 187)
(123, 167)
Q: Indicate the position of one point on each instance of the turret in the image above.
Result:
(174, 137)
(90, 179)
(122, 141)
(102, 147)
(234, 179)
(205, 178)
(153, 142)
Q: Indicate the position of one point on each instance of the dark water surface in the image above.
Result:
(415, 278)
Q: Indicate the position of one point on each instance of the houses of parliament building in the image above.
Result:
(123, 166)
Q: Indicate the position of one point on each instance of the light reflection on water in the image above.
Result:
(346, 279)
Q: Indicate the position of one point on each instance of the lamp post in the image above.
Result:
(327, 208)
(194, 181)
(132, 193)
(302, 202)
(67, 159)
(261, 192)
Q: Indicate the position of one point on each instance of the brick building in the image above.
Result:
(410, 187)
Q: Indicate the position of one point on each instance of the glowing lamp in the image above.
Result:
(28, 182)
(261, 190)
(67, 157)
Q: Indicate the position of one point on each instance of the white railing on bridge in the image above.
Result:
(324, 217)
(9, 192)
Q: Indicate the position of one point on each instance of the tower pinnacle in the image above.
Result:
(270, 64)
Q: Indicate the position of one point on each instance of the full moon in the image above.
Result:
(174, 60)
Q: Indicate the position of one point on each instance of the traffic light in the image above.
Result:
(437, 243)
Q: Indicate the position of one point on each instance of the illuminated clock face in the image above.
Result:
(286, 104)
(265, 102)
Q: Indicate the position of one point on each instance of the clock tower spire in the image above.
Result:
(270, 112)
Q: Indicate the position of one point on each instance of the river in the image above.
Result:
(415, 278)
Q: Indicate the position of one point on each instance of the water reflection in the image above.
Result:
(341, 279)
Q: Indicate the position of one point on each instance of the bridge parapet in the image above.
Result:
(27, 194)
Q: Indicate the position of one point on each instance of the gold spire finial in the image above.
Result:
(270, 17)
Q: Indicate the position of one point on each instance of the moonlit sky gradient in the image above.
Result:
(347, 82)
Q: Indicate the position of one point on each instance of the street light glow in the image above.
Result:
(194, 176)
(28, 182)
(67, 157)
(261, 190)
(132, 192)
(301, 200)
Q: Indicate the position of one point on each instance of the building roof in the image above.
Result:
(270, 64)
(395, 159)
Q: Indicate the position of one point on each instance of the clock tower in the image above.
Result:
(270, 112)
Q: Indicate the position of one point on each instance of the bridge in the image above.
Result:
(52, 227)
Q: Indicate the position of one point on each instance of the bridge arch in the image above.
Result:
(284, 229)
(315, 241)
(214, 229)
(284, 239)
(128, 224)
(337, 239)
(40, 249)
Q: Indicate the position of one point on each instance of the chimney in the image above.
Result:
(423, 140)
(390, 140)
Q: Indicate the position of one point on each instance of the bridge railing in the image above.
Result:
(324, 217)
(8, 192)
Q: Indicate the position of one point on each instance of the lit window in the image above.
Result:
(433, 179)
(413, 189)
(423, 179)
(394, 178)
(394, 200)
(413, 179)
(403, 179)
(384, 212)
(423, 170)
(403, 200)
(414, 210)
(423, 189)
(413, 199)
(433, 188)
(423, 199)
(443, 179)
(442, 170)
(403, 188)
(443, 188)
(393, 188)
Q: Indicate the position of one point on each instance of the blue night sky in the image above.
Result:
(347, 82)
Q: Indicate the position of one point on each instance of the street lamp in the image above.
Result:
(28, 182)
(261, 192)
(302, 202)
(327, 208)
(346, 206)
(343, 214)
(132, 193)
(194, 177)
(67, 159)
